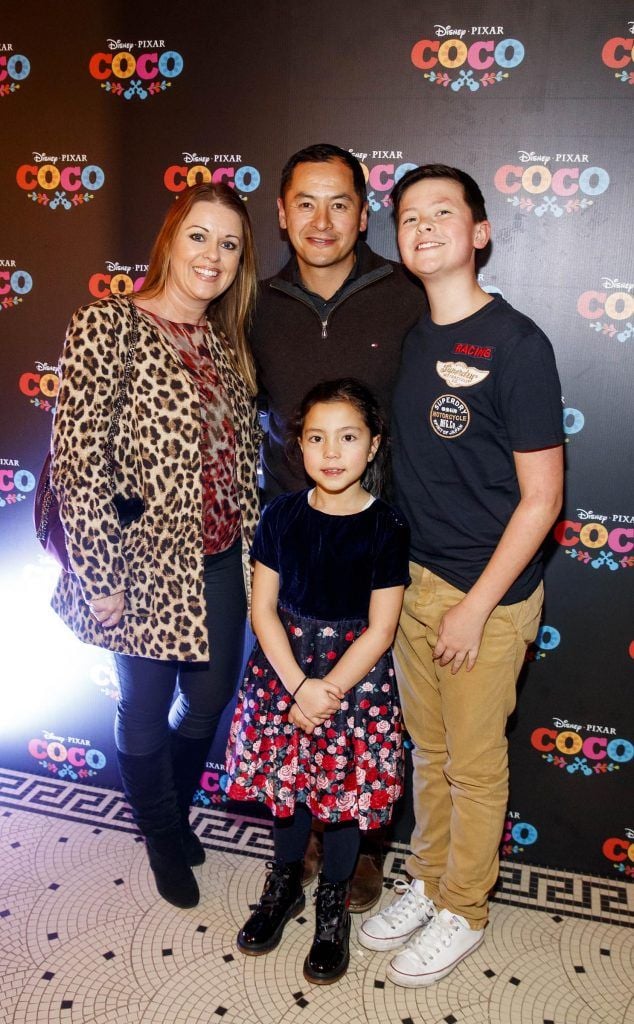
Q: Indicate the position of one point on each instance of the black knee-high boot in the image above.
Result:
(188, 761)
(148, 783)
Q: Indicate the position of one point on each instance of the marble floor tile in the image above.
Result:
(85, 939)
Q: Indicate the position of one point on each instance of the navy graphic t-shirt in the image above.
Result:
(468, 395)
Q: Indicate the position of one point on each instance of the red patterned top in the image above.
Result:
(221, 509)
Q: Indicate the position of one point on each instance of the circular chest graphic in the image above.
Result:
(449, 416)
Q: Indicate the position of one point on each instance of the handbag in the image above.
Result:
(48, 525)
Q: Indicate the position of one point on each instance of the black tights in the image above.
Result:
(341, 843)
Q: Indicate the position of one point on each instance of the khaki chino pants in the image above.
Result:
(457, 724)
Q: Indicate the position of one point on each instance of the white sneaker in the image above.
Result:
(392, 927)
(434, 951)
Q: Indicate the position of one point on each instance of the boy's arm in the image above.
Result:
(540, 478)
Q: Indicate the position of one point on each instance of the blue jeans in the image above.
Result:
(188, 697)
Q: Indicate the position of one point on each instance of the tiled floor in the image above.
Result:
(84, 937)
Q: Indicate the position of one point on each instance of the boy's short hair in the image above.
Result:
(471, 190)
(321, 153)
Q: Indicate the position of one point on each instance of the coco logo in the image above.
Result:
(467, 58)
(548, 639)
(14, 284)
(617, 54)
(517, 835)
(103, 675)
(609, 309)
(60, 182)
(118, 280)
(596, 540)
(15, 482)
(213, 785)
(147, 73)
(619, 850)
(382, 168)
(582, 750)
(573, 422)
(225, 167)
(40, 386)
(534, 187)
(66, 757)
(14, 68)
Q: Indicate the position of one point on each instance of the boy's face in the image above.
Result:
(437, 235)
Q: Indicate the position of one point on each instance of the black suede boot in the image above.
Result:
(281, 899)
(188, 761)
(149, 788)
(329, 954)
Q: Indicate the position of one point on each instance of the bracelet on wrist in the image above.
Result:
(298, 688)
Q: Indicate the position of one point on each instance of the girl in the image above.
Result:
(317, 727)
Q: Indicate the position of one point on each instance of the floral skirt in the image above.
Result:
(351, 767)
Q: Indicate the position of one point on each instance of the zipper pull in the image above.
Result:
(324, 330)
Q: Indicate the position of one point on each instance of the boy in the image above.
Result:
(477, 449)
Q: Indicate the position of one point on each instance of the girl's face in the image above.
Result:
(336, 445)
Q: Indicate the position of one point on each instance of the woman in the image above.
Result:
(168, 592)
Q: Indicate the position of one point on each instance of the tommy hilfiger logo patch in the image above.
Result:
(476, 351)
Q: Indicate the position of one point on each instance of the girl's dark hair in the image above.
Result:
(346, 389)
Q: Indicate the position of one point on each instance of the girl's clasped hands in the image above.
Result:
(319, 700)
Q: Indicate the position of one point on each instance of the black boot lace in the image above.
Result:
(277, 885)
(331, 906)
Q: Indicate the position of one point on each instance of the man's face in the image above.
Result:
(322, 214)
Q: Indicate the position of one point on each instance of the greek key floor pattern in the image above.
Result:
(85, 939)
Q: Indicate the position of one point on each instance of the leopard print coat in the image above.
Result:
(158, 559)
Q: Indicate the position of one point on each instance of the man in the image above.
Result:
(336, 309)
(478, 471)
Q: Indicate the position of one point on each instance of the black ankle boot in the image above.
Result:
(329, 954)
(281, 899)
(173, 876)
(149, 788)
(188, 762)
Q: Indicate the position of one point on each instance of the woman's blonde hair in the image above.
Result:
(232, 311)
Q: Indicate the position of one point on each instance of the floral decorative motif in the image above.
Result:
(348, 769)
(60, 199)
(135, 88)
(465, 78)
(602, 558)
(550, 204)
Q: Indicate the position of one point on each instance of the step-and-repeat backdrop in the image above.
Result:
(107, 111)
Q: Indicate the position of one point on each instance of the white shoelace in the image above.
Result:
(399, 911)
(429, 942)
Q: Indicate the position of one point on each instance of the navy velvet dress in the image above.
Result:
(351, 768)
